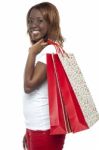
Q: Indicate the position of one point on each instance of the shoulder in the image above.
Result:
(41, 57)
(49, 49)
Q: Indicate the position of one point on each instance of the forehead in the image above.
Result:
(35, 13)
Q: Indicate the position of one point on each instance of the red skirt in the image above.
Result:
(42, 140)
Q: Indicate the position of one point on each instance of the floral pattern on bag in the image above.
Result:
(80, 88)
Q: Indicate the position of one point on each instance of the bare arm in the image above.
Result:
(34, 75)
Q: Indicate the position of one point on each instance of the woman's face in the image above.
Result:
(37, 25)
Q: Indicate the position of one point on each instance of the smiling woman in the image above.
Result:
(42, 24)
(46, 20)
(37, 25)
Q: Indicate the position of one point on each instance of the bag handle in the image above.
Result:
(58, 47)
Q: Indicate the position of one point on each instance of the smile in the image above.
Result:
(35, 32)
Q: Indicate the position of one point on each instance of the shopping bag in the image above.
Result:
(80, 88)
(73, 117)
(78, 84)
(56, 110)
(76, 118)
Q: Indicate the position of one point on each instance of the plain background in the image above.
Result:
(80, 27)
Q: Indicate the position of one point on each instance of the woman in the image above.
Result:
(42, 24)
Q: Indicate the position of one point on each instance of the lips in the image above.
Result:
(35, 32)
(35, 35)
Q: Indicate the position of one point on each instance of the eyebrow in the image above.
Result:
(36, 17)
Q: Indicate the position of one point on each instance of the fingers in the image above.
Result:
(24, 143)
(38, 47)
(42, 42)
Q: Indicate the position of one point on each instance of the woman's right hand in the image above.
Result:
(38, 47)
(24, 143)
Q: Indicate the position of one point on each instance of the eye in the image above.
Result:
(41, 20)
(30, 21)
(29, 30)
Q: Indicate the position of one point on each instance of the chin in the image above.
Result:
(34, 40)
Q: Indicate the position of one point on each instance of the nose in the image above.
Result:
(35, 24)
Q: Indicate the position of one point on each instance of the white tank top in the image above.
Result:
(35, 104)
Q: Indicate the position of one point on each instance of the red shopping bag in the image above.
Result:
(56, 107)
(65, 113)
(76, 118)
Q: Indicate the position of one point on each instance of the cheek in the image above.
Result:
(44, 29)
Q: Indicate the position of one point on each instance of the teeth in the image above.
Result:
(35, 32)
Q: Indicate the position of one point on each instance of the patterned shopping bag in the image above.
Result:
(80, 88)
(78, 84)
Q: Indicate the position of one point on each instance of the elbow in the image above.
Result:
(27, 88)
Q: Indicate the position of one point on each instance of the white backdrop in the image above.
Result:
(80, 27)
